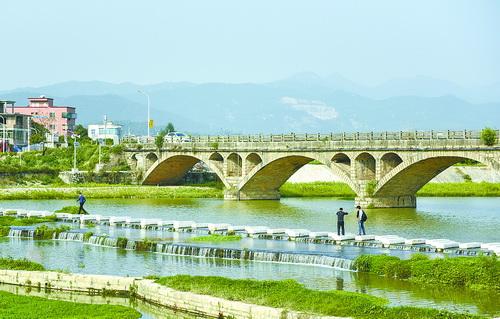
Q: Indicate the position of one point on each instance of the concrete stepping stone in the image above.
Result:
(276, 231)
(390, 240)
(442, 243)
(364, 237)
(114, 220)
(490, 246)
(318, 234)
(256, 230)
(415, 241)
(218, 227)
(38, 213)
(183, 224)
(337, 237)
(297, 233)
(237, 228)
(200, 225)
(102, 219)
(469, 245)
(149, 222)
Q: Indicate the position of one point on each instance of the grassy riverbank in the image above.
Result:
(478, 273)
(111, 192)
(20, 264)
(316, 189)
(14, 307)
(291, 295)
(214, 238)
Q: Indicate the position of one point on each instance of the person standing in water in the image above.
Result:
(340, 221)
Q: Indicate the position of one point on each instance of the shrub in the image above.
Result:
(370, 187)
(20, 264)
(488, 136)
(68, 210)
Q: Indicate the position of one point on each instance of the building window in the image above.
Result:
(19, 120)
(52, 115)
(52, 127)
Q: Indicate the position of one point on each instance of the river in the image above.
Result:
(461, 219)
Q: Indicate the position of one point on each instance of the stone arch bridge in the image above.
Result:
(383, 169)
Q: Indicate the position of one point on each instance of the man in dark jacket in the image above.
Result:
(81, 200)
(340, 221)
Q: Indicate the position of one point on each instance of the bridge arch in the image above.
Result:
(388, 162)
(408, 177)
(172, 169)
(149, 160)
(234, 165)
(251, 161)
(365, 167)
(216, 160)
(343, 162)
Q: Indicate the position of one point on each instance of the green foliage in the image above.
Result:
(15, 306)
(489, 136)
(214, 145)
(370, 187)
(116, 192)
(4, 231)
(87, 235)
(288, 294)
(214, 238)
(170, 127)
(46, 232)
(121, 242)
(464, 272)
(20, 264)
(13, 221)
(68, 210)
(38, 133)
(471, 189)
(316, 189)
(117, 149)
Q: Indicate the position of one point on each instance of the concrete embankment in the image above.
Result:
(455, 174)
(149, 291)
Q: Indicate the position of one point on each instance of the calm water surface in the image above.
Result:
(461, 219)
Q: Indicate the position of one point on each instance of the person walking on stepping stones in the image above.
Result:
(81, 200)
(361, 216)
(340, 221)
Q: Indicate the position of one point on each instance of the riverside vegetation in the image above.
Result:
(314, 189)
(289, 294)
(477, 273)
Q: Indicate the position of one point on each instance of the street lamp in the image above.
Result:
(4, 133)
(147, 95)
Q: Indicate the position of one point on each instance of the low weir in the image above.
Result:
(212, 252)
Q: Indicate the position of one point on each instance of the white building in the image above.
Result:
(107, 130)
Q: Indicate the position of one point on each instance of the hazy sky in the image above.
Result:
(146, 42)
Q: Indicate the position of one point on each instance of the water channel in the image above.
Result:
(460, 219)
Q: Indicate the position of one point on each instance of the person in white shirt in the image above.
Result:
(361, 216)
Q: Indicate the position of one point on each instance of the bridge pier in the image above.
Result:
(403, 201)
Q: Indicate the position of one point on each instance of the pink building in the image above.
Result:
(57, 119)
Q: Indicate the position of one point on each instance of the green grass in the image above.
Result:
(316, 189)
(289, 294)
(477, 273)
(68, 210)
(13, 221)
(468, 189)
(20, 264)
(113, 192)
(14, 307)
(46, 232)
(214, 238)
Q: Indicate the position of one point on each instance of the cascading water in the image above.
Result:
(73, 236)
(18, 232)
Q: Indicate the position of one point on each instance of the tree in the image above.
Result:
(159, 139)
(38, 133)
(170, 127)
(488, 136)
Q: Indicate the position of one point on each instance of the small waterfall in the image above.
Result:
(73, 236)
(266, 256)
(18, 232)
(130, 245)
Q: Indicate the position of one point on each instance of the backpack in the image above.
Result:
(364, 217)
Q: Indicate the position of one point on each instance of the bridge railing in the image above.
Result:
(336, 137)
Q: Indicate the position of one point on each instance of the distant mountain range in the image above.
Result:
(304, 102)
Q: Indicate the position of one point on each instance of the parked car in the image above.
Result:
(176, 137)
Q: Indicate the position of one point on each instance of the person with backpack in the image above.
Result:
(81, 200)
(361, 216)
(340, 221)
